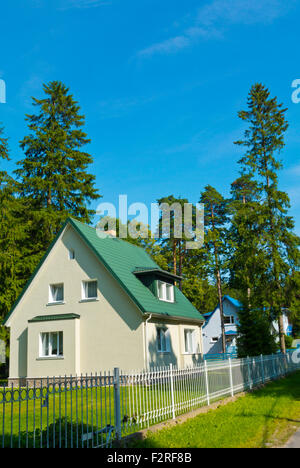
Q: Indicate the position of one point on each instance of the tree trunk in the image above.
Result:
(221, 311)
(174, 258)
(219, 285)
(281, 334)
(181, 258)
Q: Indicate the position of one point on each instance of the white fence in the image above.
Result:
(164, 393)
(95, 410)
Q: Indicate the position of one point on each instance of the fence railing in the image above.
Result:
(96, 410)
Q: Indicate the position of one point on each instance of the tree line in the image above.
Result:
(250, 249)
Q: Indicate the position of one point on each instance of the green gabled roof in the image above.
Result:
(50, 318)
(122, 259)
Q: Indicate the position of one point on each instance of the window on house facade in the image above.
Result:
(214, 339)
(165, 291)
(163, 339)
(228, 319)
(89, 289)
(71, 254)
(190, 341)
(51, 344)
(56, 293)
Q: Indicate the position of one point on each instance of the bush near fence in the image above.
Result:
(97, 410)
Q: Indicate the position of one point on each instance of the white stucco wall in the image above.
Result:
(212, 328)
(176, 355)
(110, 332)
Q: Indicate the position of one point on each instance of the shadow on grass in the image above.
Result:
(61, 434)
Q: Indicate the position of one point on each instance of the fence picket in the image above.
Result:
(92, 410)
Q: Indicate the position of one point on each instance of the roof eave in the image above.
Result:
(159, 272)
(175, 318)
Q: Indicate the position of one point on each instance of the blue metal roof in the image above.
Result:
(233, 301)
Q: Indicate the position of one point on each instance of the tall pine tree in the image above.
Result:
(215, 242)
(14, 259)
(264, 141)
(53, 175)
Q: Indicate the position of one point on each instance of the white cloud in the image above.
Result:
(79, 4)
(71, 4)
(168, 46)
(213, 19)
(294, 171)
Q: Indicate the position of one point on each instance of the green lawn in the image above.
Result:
(65, 418)
(266, 417)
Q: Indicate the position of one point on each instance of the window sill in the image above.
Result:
(191, 354)
(50, 358)
(92, 299)
(55, 303)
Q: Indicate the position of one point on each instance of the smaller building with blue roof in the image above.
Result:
(212, 331)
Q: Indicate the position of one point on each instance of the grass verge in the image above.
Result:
(265, 418)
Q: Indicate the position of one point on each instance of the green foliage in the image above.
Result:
(288, 341)
(53, 175)
(262, 229)
(254, 333)
(15, 261)
(216, 242)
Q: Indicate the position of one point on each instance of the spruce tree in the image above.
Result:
(14, 260)
(264, 141)
(53, 175)
(215, 242)
(173, 233)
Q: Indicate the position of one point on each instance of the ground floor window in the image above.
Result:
(163, 339)
(52, 344)
(190, 341)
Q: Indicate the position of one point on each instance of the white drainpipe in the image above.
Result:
(146, 342)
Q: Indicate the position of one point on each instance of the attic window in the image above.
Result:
(229, 319)
(71, 254)
(89, 289)
(165, 291)
(56, 293)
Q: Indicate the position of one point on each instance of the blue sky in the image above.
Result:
(160, 83)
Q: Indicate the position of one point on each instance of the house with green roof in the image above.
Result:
(99, 302)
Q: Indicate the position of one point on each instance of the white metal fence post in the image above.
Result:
(249, 373)
(274, 366)
(117, 401)
(172, 391)
(230, 377)
(206, 382)
(262, 368)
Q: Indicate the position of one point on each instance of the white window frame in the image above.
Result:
(166, 342)
(83, 290)
(164, 291)
(231, 320)
(59, 334)
(190, 346)
(71, 254)
(51, 300)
